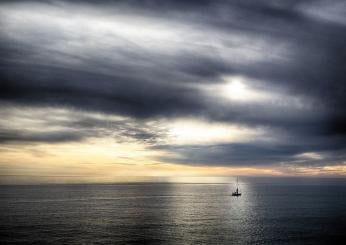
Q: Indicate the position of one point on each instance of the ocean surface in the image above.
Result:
(270, 211)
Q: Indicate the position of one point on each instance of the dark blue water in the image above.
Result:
(270, 211)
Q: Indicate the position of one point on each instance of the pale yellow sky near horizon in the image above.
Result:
(101, 161)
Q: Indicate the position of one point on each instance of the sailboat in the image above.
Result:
(236, 193)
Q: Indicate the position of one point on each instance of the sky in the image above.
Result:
(107, 91)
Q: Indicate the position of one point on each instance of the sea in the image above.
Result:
(270, 211)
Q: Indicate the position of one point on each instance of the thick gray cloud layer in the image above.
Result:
(149, 60)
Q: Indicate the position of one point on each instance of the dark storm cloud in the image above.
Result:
(156, 70)
(47, 137)
(237, 154)
(257, 154)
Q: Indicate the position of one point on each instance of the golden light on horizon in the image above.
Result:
(114, 156)
(103, 161)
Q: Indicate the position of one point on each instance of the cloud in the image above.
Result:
(58, 125)
(276, 66)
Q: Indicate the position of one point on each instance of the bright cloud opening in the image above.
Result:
(200, 132)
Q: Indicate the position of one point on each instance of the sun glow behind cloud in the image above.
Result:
(247, 90)
(237, 89)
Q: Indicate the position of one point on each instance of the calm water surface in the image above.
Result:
(291, 211)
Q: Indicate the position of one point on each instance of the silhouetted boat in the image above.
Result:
(236, 193)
